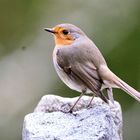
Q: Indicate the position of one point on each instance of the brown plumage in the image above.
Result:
(81, 66)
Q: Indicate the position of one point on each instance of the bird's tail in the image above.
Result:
(128, 89)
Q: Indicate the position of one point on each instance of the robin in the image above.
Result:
(82, 67)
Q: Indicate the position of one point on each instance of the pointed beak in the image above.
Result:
(49, 30)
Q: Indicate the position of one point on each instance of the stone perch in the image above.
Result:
(48, 122)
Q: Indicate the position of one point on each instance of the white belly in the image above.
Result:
(63, 76)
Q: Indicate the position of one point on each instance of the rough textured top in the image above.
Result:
(100, 122)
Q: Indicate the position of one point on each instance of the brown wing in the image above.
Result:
(88, 75)
(80, 71)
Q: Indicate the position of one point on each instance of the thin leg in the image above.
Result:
(110, 95)
(91, 100)
(83, 92)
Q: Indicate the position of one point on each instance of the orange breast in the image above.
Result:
(59, 41)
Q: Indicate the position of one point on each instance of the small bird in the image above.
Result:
(82, 67)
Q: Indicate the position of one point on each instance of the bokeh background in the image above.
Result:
(26, 68)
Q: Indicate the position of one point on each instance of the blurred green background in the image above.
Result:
(26, 69)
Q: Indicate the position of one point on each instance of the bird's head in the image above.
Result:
(65, 34)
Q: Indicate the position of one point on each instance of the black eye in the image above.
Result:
(65, 32)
